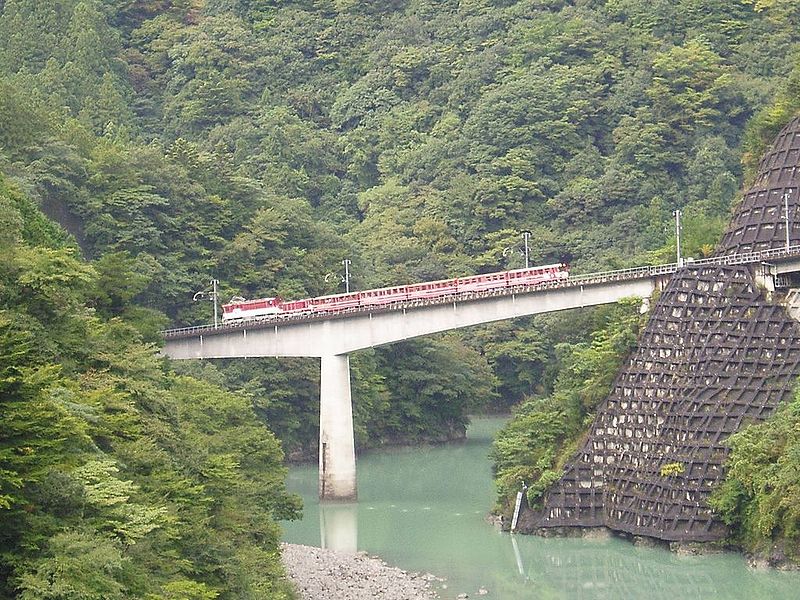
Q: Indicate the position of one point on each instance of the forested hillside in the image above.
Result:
(262, 142)
(119, 478)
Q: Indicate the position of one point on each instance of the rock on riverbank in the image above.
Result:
(320, 574)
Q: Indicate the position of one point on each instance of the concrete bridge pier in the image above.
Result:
(337, 455)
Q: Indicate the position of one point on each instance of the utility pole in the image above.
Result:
(678, 228)
(214, 284)
(346, 262)
(526, 234)
(212, 293)
(786, 216)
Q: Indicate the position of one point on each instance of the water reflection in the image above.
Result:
(518, 556)
(613, 568)
(423, 509)
(338, 526)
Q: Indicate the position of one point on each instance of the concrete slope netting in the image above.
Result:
(715, 354)
(759, 222)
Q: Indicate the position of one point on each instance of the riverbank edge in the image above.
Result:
(310, 455)
(323, 574)
(775, 558)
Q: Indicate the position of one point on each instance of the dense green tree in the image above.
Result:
(23, 122)
(31, 32)
(76, 566)
(211, 76)
(116, 475)
(433, 386)
(261, 143)
(759, 498)
(519, 354)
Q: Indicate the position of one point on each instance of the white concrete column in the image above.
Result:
(765, 278)
(337, 456)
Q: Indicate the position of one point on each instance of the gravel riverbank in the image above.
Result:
(327, 574)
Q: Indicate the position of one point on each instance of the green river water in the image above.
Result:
(423, 510)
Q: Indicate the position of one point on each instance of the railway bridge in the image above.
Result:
(333, 337)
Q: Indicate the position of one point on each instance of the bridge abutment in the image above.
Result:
(337, 456)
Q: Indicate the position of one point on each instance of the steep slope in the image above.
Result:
(715, 355)
(119, 478)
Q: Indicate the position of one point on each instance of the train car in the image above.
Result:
(432, 289)
(251, 309)
(334, 303)
(536, 275)
(482, 283)
(296, 307)
(384, 296)
(268, 307)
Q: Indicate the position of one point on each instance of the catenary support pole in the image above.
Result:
(786, 217)
(526, 235)
(214, 283)
(337, 457)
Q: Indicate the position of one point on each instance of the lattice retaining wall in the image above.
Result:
(715, 354)
(759, 222)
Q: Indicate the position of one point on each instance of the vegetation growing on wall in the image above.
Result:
(545, 431)
(760, 498)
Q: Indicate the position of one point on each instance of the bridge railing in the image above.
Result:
(629, 274)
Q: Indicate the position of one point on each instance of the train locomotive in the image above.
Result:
(240, 310)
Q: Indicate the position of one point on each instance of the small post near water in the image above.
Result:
(517, 507)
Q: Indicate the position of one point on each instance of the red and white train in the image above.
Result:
(268, 307)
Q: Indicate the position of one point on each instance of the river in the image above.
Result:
(422, 509)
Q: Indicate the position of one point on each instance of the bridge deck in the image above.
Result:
(333, 337)
(573, 281)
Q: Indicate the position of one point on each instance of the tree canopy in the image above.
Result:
(261, 143)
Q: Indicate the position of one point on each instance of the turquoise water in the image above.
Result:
(423, 510)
